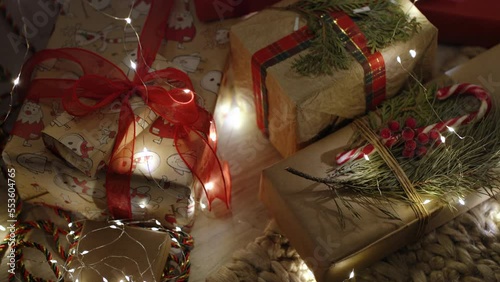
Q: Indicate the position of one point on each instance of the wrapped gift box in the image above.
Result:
(87, 142)
(108, 251)
(472, 23)
(161, 183)
(300, 107)
(208, 10)
(310, 220)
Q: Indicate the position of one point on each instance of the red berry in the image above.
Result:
(408, 134)
(423, 138)
(408, 153)
(410, 145)
(421, 151)
(393, 125)
(411, 123)
(390, 142)
(434, 134)
(385, 133)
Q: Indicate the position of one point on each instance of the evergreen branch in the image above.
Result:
(383, 25)
(468, 162)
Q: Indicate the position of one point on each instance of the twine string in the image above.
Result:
(416, 201)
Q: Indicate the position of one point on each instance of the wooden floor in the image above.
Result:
(248, 152)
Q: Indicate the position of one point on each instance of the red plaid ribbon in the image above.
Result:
(354, 41)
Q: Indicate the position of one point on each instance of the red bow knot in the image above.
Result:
(93, 91)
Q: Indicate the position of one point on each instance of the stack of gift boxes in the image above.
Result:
(66, 154)
(63, 158)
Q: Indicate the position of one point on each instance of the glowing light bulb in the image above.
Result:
(142, 205)
(426, 201)
(213, 136)
(209, 186)
(443, 139)
(53, 261)
(177, 228)
(351, 275)
(133, 65)
(413, 53)
(113, 227)
(306, 273)
(145, 150)
(71, 271)
(203, 206)
(16, 81)
(127, 277)
(187, 91)
(77, 280)
(234, 117)
(2, 228)
(119, 223)
(70, 224)
(84, 253)
(128, 20)
(155, 228)
(450, 129)
(224, 109)
(461, 201)
(366, 157)
(71, 232)
(398, 58)
(104, 280)
(157, 222)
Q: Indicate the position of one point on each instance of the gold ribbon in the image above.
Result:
(416, 201)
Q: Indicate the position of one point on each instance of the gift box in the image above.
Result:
(346, 236)
(166, 160)
(107, 251)
(472, 23)
(207, 10)
(295, 109)
(87, 142)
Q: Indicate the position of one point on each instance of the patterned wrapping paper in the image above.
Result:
(301, 107)
(210, 10)
(161, 184)
(331, 251)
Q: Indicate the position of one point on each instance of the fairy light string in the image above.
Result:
(162, 81)
(176, 269)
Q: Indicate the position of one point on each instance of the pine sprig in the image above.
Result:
(467, 162)
(383, 25)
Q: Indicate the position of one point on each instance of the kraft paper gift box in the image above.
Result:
(312, 226)
(301, 107)
(128, 254)
(161, 183)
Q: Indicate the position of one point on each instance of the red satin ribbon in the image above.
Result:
(103, 82)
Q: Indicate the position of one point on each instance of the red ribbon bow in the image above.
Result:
(103, 82)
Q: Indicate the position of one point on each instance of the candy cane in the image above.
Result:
(443, 93)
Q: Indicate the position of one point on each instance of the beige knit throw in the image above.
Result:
(465, 249)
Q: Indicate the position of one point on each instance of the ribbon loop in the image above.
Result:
(168, 92)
